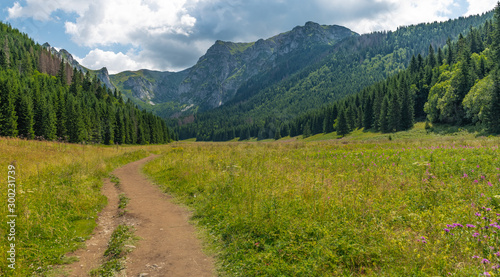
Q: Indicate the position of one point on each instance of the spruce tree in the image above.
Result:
(342, 126)
(8, 117)
(394, 113)
(383, 119)
(277, 134)
(407, 109)
(25, 119)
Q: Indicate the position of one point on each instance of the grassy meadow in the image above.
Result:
(57, 198)
(417, 203)
(428, 206)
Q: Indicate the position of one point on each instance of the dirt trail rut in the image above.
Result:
(90, 257)
(168, 245)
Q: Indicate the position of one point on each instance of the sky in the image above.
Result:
(171, 35)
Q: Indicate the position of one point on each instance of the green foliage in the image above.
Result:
(355, 66)
(35, 104)
(477, 100)
(58, 196)
(341, 126)
(115, 254)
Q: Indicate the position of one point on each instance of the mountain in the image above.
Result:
(226, 66)
(45, 94)
(102, 74)
(342, 69)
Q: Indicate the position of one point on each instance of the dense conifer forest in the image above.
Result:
(42, 97)
(452, 81)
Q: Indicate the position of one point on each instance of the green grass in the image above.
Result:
(118, 248)
(58, 196)
(349, 207)
(123, 201)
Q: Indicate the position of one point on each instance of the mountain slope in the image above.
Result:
(218, 74)
(101, 74)
(353, 64)
(42, 96)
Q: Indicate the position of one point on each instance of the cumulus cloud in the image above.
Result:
(480, 6)
(173, 34)
(114, 62)
(116, 21)
(401, 13)
(42, 9)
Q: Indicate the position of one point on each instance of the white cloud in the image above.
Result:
(173, 34)
(480, 6)
(43, 9)
(114, 62)
(119, 21)
(401, 13)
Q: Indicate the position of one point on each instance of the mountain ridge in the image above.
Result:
(217, 75)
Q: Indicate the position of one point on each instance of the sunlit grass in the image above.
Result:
(339, 207)
(57, 198)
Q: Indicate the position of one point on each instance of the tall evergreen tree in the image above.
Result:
(384, 120)
(25, 119)
(342, 126)
(394, 113)
(8, 117)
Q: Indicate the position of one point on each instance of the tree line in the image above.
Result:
(70, 106)
(454, 84)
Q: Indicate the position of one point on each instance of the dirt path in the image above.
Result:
(90, 257)
(167, 246)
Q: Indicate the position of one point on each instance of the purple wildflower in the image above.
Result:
(475, 235)
(485, 261)
(446, 230)
(470, 226)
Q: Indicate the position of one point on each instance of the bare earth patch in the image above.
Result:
(91, 256)
(167, 243)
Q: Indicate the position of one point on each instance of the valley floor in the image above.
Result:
(416, 203)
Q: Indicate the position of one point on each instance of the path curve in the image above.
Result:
(168, 245)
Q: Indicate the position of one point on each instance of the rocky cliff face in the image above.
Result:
(219, 73)
(102, 74)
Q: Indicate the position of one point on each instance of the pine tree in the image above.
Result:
(383, 120)
(61, 74)
(277, 134)
(394, 113)
(306, 131)
(431, 58)
(342, 126)
(8, 117)
(25, 119)
(368, 113)
(49, 123)
(407, 109)
(74, 117)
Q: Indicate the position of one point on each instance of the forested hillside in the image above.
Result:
(357, 62)
(42, 97)
(456, 85)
